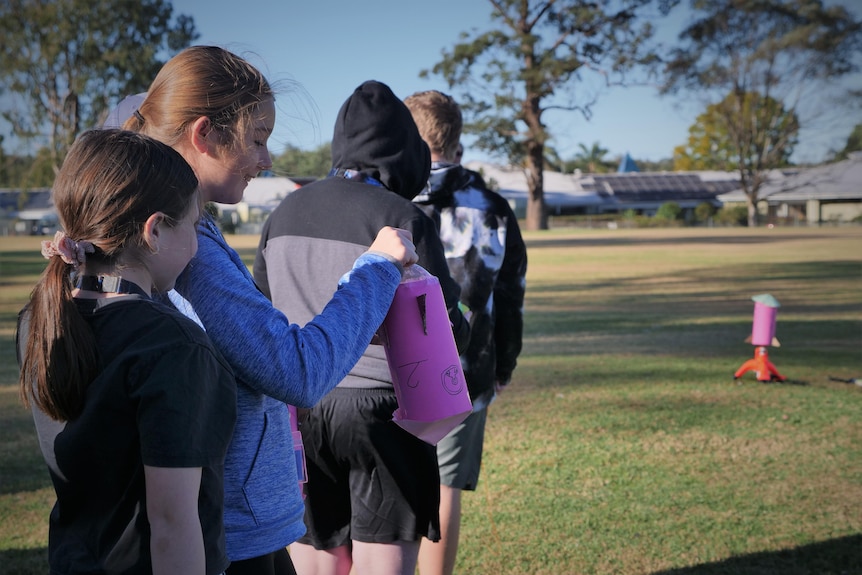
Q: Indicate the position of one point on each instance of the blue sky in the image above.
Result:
(331, 46)
(328, 47)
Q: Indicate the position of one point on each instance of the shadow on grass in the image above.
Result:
(740, 278)
(577, 241)
(841, 556)
(21, 263)
(24, 561)
(592, 334)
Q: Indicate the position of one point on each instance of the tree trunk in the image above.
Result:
(752, 216)
(751, 186)
(752, 211)
(537, 216)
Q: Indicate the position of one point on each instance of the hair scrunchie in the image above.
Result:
(71, 252)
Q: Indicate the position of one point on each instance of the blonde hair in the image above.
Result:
(201, 81)
(110, 183)
(438, 117)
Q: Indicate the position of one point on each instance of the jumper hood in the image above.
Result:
(445, 180)
(375, 135)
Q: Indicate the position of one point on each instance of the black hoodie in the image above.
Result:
(379, 164)
(376, 136)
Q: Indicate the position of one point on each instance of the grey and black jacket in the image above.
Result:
(379, 164)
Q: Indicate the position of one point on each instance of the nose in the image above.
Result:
(265, 161)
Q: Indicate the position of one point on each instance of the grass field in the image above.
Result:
(624, 445)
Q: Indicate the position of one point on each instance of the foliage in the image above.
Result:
(25, 172)
(704, 211)
(766, 50)
(539, 57)
(590, 160)
(663, 165)
(226, 220)
(854, 143)
(732, 216)
(303, 163)
(5, 163)
(66, 60)
(744, 131)
(670, 211)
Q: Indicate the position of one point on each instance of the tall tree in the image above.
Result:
(64, 61)
(303, 163)
(750, 51)
(725, 137)
(535, 59)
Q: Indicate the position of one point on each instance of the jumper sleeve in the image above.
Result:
(509, 292)
(267, 352)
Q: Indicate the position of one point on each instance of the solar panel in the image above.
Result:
(657, 187)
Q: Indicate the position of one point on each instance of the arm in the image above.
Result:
(176, 539)
(509, 302)
(295, 365)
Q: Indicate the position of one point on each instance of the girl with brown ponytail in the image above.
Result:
(133, 406)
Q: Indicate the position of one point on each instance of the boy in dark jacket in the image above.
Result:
(488, 258)
(372, 491)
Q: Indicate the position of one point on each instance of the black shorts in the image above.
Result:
(368, 479)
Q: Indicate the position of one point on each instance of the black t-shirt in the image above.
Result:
(164, 398)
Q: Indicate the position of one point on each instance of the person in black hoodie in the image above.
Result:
(373, 489)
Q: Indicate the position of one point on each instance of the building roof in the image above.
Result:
(659, 186)
(830, 182)
(39, 204)
(37, 199)
(612, 191)
(267, 192)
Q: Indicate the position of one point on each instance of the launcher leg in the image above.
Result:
(764, 369)
(773, 372)
(750, 365)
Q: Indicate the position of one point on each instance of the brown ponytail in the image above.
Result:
(110, 183)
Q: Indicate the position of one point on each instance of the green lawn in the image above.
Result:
(623, 445)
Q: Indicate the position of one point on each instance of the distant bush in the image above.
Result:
(704, 211)
(669, 211)
(732, 216)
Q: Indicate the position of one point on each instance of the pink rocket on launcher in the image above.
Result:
(762, 335)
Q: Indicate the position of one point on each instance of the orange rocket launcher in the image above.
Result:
(762, 335)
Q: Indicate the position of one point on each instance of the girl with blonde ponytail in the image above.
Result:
(218, 111)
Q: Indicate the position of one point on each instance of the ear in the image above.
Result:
(152, 231)
(200, 130)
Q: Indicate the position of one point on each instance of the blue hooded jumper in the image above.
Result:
(276, 363)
